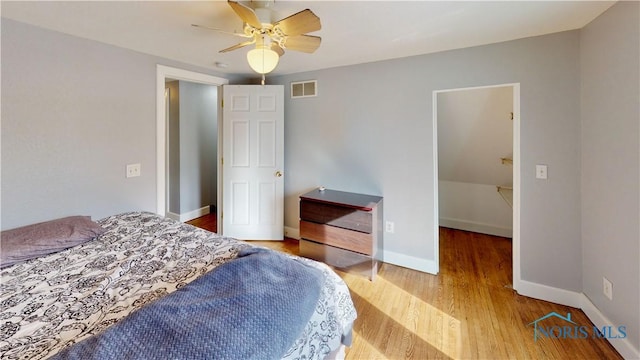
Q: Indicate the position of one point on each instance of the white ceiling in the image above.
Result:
(352, 32)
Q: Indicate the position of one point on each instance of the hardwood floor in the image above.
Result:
(207, 222)
(467, 311)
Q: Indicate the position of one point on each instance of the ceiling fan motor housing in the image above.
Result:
(264, 15)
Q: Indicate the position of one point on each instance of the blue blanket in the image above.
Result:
(253, 307)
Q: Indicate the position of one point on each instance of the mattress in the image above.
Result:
(55, 301)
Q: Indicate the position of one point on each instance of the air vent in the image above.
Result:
(303, 89)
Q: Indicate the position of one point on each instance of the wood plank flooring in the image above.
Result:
(467, 311)
(207, 222)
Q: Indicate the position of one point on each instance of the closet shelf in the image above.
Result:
(507, 194)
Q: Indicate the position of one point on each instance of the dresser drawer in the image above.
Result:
(336, 215)
(342, 238)
(340, 258)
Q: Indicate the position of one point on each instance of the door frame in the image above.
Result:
(516, 178)
(163, 73)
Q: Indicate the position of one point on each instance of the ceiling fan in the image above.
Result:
(272, 38)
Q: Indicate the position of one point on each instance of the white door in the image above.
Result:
(253, 160)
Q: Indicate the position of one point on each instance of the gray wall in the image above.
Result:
(173, 148)
(474, 132)
(610, 91)
(198, 146)
(370, 130)
(74, 113)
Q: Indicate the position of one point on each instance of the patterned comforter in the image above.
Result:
(52, 302)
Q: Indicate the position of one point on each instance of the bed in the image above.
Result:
(53, 304)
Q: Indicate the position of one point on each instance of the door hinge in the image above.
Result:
(222, 103)
(221, 161)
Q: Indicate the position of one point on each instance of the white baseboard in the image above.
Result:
(623, 346)
(173, 216)
(548, 293)
(582, 302)
(189, 215)
(292, 232)
(410, 262)
(476, 227)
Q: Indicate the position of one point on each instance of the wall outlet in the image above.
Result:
(133, 170)
(541, 172)
(607, 288)
(389, 227)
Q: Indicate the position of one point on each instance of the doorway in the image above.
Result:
(164, 74)
(192, 140)
(477, 183)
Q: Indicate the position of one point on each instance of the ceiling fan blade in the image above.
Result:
(238, 46)
(299, 23)
(304, 43)
(221, 31)
(246, 14)
(275, 47)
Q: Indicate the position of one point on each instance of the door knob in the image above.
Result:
(278, 173)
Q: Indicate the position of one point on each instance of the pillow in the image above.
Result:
(44, 238)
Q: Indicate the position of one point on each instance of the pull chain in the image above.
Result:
(262, 79)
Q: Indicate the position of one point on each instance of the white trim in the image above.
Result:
(167, 112)
(291, 232)
(410, 262)
(623, 346)
(517, 280)
(475, 226)
(436, 180)
(582, 302)
(515, 242)
(549, 293)
(163, 72)
(194, 214)
(173, 216)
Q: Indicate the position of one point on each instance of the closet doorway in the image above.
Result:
(476, 137)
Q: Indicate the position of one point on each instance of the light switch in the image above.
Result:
(541, 172)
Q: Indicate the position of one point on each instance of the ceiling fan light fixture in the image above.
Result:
(262, 59)
(272, 38)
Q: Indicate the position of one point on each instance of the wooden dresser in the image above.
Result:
(342, 229)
